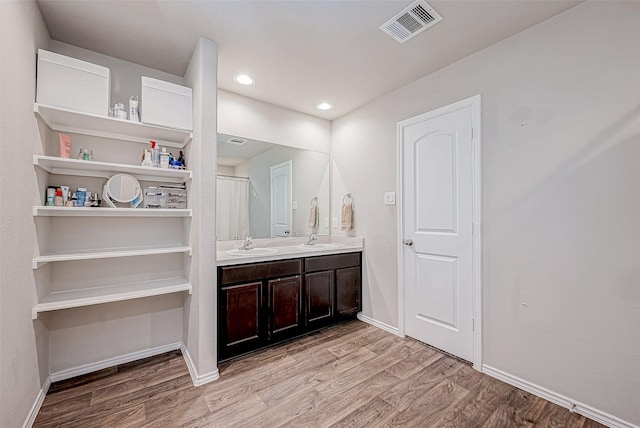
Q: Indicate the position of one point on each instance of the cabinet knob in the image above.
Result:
(408, 242)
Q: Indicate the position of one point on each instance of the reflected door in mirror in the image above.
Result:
(281, 199)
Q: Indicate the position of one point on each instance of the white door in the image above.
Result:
(281, 199)
(436, 228)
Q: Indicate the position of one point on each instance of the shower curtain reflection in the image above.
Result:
(232, 207)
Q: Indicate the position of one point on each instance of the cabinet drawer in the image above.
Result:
(259, 271)
(337, 261)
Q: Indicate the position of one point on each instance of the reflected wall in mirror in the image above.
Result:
(270, 190)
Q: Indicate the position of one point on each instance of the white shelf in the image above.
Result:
(42, 211)
(106, 253)
(114, 293)
(64, 166)
(77, 122)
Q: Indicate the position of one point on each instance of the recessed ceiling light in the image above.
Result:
(244, 79)
(324, 106)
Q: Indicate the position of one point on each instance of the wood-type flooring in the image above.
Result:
(351, 375)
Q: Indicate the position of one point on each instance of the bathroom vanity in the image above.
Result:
(291, 293)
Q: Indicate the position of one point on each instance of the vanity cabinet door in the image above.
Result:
(318, 298)
(240, 314)
(348, 291)
(285, 298)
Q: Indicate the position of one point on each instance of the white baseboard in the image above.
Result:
(35, 408)
(110, 362)
(380, 325)
(559, 399)
(196, 378)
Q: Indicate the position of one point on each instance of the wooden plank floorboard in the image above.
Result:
(350, 375)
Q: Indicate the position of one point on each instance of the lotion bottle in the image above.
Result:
(164, 158)
(147, 159)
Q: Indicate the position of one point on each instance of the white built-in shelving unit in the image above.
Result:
(76, 122)
(107, 128)
(40, 211)
(113, 293)
(107, 253)
(85, 168)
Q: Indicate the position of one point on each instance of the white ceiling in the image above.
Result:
(299, 52)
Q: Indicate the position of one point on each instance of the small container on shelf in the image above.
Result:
(154, 197)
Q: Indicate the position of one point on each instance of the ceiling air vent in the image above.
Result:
(236, 141)
(412, 21)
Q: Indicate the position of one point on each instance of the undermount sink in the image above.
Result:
(252, 252)
(319, 246)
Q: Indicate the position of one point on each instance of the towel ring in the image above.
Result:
(314, 201)
(346, 198)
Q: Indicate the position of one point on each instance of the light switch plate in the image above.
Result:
(294, 205)
(335, 222)
(390, 198)
(326, 222)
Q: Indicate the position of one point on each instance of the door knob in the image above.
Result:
(408, 242)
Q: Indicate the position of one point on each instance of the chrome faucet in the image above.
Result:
(248, 243)
(313, 238)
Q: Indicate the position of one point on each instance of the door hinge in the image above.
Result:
(472, 132)
(473, 324)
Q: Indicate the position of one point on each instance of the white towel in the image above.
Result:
(314, 217)
(347, 216)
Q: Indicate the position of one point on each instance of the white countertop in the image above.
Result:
(287, 249)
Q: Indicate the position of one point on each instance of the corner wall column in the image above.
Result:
(200, 315)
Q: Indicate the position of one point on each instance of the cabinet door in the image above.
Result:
(284, 307)
(348, 291)
(240, 316)
(318, 298)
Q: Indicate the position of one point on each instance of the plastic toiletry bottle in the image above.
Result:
(164, 158)
(181, 160)
(155, 154)
(65, 146)
(147, 159)
(58, 198)
(51, 195)
(65, 194)
(74, 200)
(133, 109)
(82, 196)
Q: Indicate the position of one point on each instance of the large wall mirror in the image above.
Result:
(269, 190)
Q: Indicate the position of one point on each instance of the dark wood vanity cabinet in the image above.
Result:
(333, 287)
(319, 291)
(263, 303)
(258, 304)
(284, 307)
(348, 286)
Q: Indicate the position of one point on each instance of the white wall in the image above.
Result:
(257, 120)
(200, 317)
(23, 342)
(561, 145)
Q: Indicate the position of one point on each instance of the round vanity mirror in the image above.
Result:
(122, 188)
